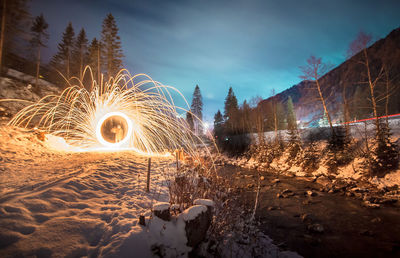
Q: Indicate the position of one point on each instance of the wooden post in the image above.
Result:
(148, 176)
(177, 161)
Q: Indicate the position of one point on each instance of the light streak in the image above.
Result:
(121, 142)
(86, 118)
(372, 118)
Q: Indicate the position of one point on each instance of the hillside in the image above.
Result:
(351, 76)
(20, 90)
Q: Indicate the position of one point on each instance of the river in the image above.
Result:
(299, 216)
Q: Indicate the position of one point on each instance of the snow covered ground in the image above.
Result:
(70, 204)
(76, 204)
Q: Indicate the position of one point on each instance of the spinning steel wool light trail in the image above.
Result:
(125, 112)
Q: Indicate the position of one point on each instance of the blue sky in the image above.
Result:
(253, 46)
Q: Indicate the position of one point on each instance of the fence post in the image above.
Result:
(177, 161)
(148, 176)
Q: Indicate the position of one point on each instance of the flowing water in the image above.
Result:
(322, 225)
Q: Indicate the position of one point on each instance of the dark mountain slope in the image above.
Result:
(351, 76)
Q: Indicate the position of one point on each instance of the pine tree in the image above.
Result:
(189, 120)
(231, 112)
(311, 157)
(280, 111)
(245, 117)
(268, 111)
(218, 127)
(294, 137)
(81, 52)
(38, 40)
(94, 57)
(14, 21)
(197, 109)
(257, 118)
(275, 102)
(291, 116)
(386, 156)
(62, 60)
(111, 50)
(218, 119)
(231, 104)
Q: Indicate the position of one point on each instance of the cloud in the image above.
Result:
(253, 46)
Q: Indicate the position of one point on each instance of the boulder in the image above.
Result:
(275, 181)
(287, 193)
(306, 218)
(370, 205)
(206, 202)
(316, 228)
(311, 193)
(162, 211)
(197, 221)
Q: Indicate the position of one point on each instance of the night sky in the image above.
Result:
(253, 46)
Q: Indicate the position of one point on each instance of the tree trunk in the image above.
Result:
(371, 87)
(109, 64)
(3, 27)
(346, 113)
(37, 66)
(387, 97)
(98, 65)
(80, 65)
(325, 108)
(275, 121)
(67, 66)
(260, 127)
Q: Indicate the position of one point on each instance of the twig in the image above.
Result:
(256, 202)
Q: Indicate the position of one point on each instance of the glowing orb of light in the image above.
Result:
(114, 129)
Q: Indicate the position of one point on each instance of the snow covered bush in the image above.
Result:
(338, 151)
(385, 155)
(311, 157)
(294, 148)
(268, 151)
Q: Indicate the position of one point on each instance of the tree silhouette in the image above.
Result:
(218, 127)
(189, 120)
(231, 111)
(94, 57)
(62, 60)
(38, 40)
(197, 109)
(313, 71)
(81, 52)
(111, 50)
(14, 21)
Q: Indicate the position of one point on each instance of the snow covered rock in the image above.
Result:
(205, 202)
(285, 194)
(370, 205)
(316, 228)
(162, 211)
(197, 221)
(311, 193)
(275, 181)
